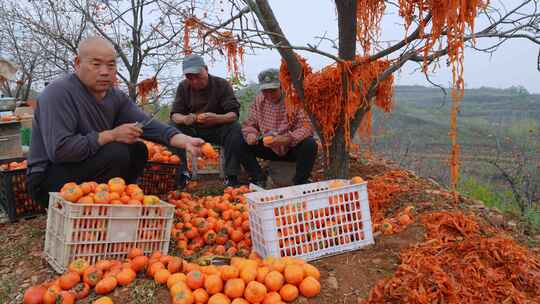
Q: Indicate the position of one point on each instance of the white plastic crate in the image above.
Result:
(310, 221)
(99, 231)
(209, 169)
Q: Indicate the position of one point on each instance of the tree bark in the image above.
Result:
(339, 151)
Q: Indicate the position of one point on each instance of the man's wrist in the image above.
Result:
(177, 118)
(106, 137)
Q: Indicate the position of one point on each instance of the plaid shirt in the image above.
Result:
(265, 117)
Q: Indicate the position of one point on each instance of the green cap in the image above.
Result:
(269, 79)
(193, 64)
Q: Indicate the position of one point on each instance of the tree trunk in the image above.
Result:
(338, 157)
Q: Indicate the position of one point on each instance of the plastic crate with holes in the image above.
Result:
(202, 166)
(310, 221)
(14, 197)
(158, 178)
(101, 231)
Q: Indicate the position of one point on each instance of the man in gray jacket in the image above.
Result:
(84, 129)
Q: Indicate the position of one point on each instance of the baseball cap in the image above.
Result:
(193, 64)
(269, 79)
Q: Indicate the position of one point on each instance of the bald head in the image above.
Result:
(95, 65)
(94, 44)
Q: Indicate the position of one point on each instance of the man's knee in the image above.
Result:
(139, 151)
(308, 146)
(117, 153)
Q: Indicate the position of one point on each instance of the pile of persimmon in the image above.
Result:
(102, 277)
(244, 281)
(205, 163)
(159, 154)
(115, 192)
(397, 223)
(211, 225)
(13, 166)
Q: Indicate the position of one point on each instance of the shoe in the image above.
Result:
(261, 182)
(231, 181)
(183, 179)
(303, 182)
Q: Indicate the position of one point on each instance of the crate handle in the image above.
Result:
(4, 139)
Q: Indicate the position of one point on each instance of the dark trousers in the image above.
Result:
(223, 135)
(304, 154)
(112, 160)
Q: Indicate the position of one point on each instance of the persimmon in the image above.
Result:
(139, 263)
(87, 187)
(69, 279)
(104, 265)
(153, 268)
(356, 180)
(175, 278)
(183, 296)
(135, 252)
(200, 296)
(272, 298)
(78, 266)
(311, 271)
(106, 285)
(71, 193)
(101, 187)
(294, 274)
(34, 295)
(87, 199)
(102, 197)
(161, 276)
(310, 287)
(92, 275)
(103, 300)
(66, 297)
(219, 298)
(262, 272)
(248, 273)
(255, 292)
(51, 294)
(126, 276)
(229, 272)
(195, 279)
(117, 185)
(82, 290)
(234, 288)
(404, 219)
(274, 280)
(268, 140)
(175, 265)
(208, 151)
(288, 292)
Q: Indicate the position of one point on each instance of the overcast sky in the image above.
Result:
(302, 20)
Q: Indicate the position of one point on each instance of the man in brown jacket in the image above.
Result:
(205, 106)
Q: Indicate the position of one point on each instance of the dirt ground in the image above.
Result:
(346, 278)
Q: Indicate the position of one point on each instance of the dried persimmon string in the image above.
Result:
(459, 265)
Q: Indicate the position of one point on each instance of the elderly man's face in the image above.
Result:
(272, 95)
(198, 81)
(96, 67)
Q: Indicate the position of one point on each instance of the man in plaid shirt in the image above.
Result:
(291, 136)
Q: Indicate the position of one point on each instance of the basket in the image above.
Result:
(14, 197)
(200, 166)
(10, 140)
(158, 178)
(310, 221)
(97, 231)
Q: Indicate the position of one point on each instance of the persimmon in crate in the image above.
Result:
(104, 221)
(310, 221)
